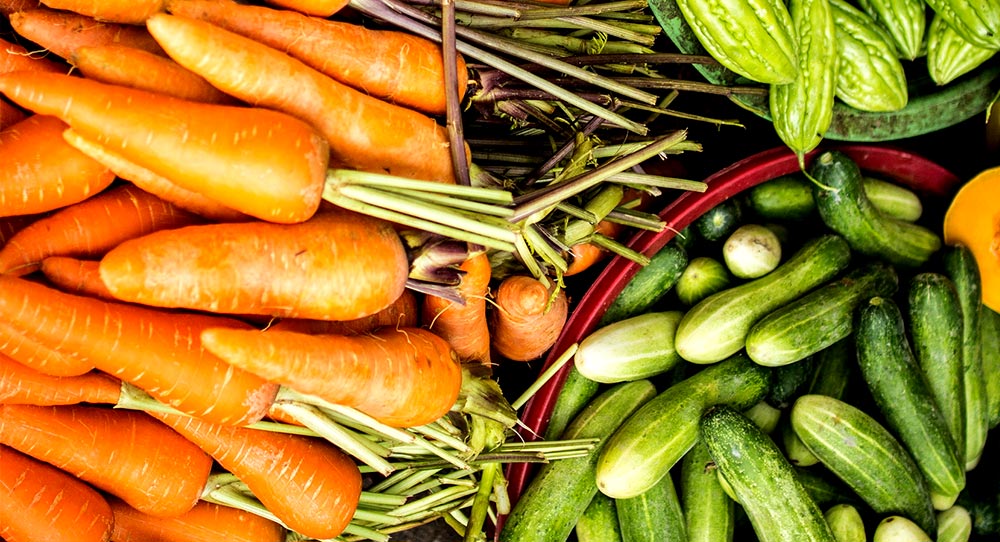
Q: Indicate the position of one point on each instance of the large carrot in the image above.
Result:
(40, 172)
(258, 161)
(321, 8)
(364, 133)
(91, 228)
(20, 384)
(15, 57)
(40, 503)
(464, 326)
(402, 313)
(158, 351)
(126, 453)
(61, 32)
(206, 522)
(336, 266)
(307, 483)
(42, 358)
(395, 66)
(10, 6)
(76, 276)
(528, 317)
(10, 114)
(10, 225)
(115, 11)
(401, 377)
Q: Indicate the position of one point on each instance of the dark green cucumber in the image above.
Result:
(990, 324)
(845, 209)
(785, 198)
(818, 319)
(576, 391)
(789, 381)
(764, 482)
(599, 522)
(864, 455)
(846, 523)
(649, 284)
(901, 393)
(825, 488)
(719, 221)
(709, 513)
(653, 516)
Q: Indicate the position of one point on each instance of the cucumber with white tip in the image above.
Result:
(954, 525)
(631, 349)
(899, 529)
(846, 523)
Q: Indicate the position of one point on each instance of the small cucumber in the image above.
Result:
(649, 284)
(720, 221)
(709, 513)
(846, 523)
(893, 199)
(576, 391)
(818, 319)
(702, 277)
(751, 251)
(990, 323)
(717, 327)
(631, 349)
(599, 522)
(899, 529)
(653, 516)
(789, 380)
(764, 416)
(764, 482)
(785, 198)
(954, 525)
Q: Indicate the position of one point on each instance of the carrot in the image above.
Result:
(61, 32)
(42, 358)
(261, 162)
(15, 57)
(363, 132)
(336, 266)
(320, 8)
(585, 255)
(10, 114)
(115, 11)
(20, 384)
(40, 503)
(76, 276)
(401, 313)
(366, 59)
(465, 327)
(307, 483)
(402, 377)
(126, 453)
(206, 522)
(155, 350)
(10, 225)
(528, 318)
(10, 6)
(90, 228)
(40, 172)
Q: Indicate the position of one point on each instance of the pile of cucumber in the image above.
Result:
(806, 362)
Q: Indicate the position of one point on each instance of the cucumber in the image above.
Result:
(558, 495)
(954, 525)
(901, 393)
(845, 209)
(899, 529)
(576, 391)
(864, 455)
(787, 198)
(789, 380)
(720, 221)
(717, 327)
(990, 323)
(846, 523)
(709, 513)
(599, 522)
(631, 349)
(702, 277)
(651, 441)
(653, 516)
(764, 416)
(893, 199)
(764, 482)
(751, 251)
(649, 284)
(825, 488)
(818, 319)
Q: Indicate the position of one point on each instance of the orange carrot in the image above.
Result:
(10, 6)
(40, 503)
(367, 59)
(528, 318)
(585, 255)
(126, 453)
(336, 266)
(76, 276)
(402, 313)
(90, 228)
(10, 225)
(206, 522)
(20, 384)
(42, 358)
(363, 132)
(40, 172)
(135, 68)
(320, 8)
(10, 114)
(307, 483)
(401, 377)
(115, 11)
(15, 57)
(155, 350)
(61, 32)
(258, 161)
(465, 327)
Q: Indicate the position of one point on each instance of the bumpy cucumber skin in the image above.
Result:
(764, 482)
(990, 323)
(904, 20)
(870, 76)
(978, 21)
(576, 391)
(653, 516)
(649, 284)
(599, 522)
(709, 513)
(950, 55)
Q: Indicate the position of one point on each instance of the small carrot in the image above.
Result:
(320, 8)
(31, 353)
(528, 317)
(395, 66)
(158, 351)
(402, 377)
(90, 228)
(126, 453)
(336, 266)
(61, 32)
(585, 255)
(10, 114)
(115, 11)
(20, 384)
(464, 326)
(363, 132)
(40, 503)
(76, 276)
(206, 522)
(261, 162)
(40, 172)
(306, 482)
(402, 313)
(15, 57)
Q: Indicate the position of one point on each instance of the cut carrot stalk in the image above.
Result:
(40, 503)
(528, 317)
(29, 352)
(155, 350)
(402, 313)
(464, 326)
(306, 482)
(206, 522)
(363, 132)
(335, 266)
(20, 384)
(114, 11)
(401, 377)
(320, 8)
(261, 162)
(126, 453)
(76, 276)
(61, 32)
(367, 59)
(40, 172)
(91, 228)
(15, 57)
(10, 114)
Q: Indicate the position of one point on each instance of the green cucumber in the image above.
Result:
(702, 277)
(764, 416)
(900, 391)
(789, 380)
(649, 284)
(899, 529)
(576, 391)
(720, 221)
(893, 199)
(833, 368)
(599, 522)
(990, 323)
(864, 455)
(825, 488)
(709, 513)
(631, 349)
(954, 525)
(558, 495)
(764, 482)
(846, 523)
(818, 319)
(655, 515)
(787, 198)
(651, 441)
(845, 209)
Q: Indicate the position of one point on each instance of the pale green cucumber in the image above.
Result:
(846, 523)
(655, 515)
(599, 522)
(990, 322)
(954, 525)
(899, 529)
(709, 513)
(631, 349)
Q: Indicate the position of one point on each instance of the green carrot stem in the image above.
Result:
(481, 503)
(545, 376)
(611, 245)
(454, 203)
(445, 495)
(442, 436)
(403, 480)
(373, 498)
(379, 180)
(659, 181)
